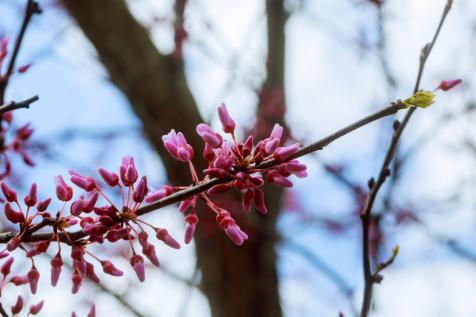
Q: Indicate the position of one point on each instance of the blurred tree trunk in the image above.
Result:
(238, 281)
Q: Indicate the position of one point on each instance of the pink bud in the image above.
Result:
(187, 203)
(110, 269)
(18, 280)
(18, 306)
(448, 84)
(76, 207)
(149, 251)
(90, 273)
(76, 279)
(208, 153)
(141, 190)
(246, 201)
(9, 194)
(92, 311)
(218, 189)
(56, 264)
(163, 235)
(109, 177)
(90, 202)
(217, 172)
(12, 244)
(177, 146)
(85, 182)
(24, 68)
(227, 122)
(283, 153)
(247, 146)
(12, 215)
(128, 171)
(35, 309)
(158, 194)
(233, 232)
(24, 132)
(33, 277)
(137, 263)
(271, 146)
(30, 199)
(191, 221)
(6, 267)
(209, 136)
(63, 191)
(282, 181)
(277, 132)
(43, 205)
(259, 201)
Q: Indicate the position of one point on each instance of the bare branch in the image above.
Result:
(12, 105)
(385, 172)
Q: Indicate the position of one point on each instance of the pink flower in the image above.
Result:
(33, 277)
(141, 190)
(85, 182)
(109, 177)
(283, 153)
(6, 267)
(35, 309)
(30, 199)
(448, 84)
(191, 221)
(76, 279)
(177, 146)
(158, 194)
(92, 311)
(110, 269)
(18, 306)
(137, 263)
(9, 194)
(12, 215)
(56, 264)
(209, 136)
(163, 235)
(128, 171)
(24, 68)
(63, 191)
(227, 122)
(43, 205)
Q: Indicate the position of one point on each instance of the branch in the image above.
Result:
(385, 172)
(2, 311)
(12, 105)
(202, 187)
(31, 8)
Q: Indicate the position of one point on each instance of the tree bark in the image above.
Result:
(238, 281)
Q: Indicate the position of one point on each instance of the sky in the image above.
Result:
(331, 81)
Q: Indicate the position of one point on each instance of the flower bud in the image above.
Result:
(421, 99)
(227, 122)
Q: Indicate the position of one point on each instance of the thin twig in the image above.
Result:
(31, 8)
(12, 105)
(2, 311)
(183, 194)
(385, 172)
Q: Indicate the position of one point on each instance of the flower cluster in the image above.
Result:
(237, 165)
(110, 222)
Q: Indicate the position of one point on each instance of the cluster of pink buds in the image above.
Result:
(17, 143)
(98, 222)
(237, 165)
(5, 271)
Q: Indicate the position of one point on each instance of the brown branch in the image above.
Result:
(369, 277)
(31, 8)
(2, 311)
(12, 105)
(202, 187)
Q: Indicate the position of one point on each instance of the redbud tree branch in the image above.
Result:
(12, 105)
(31, 236)
(369, 277)
(31, 8)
